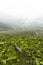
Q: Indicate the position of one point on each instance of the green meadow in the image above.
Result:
(31, 45)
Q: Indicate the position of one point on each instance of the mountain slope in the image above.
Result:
(4, 26)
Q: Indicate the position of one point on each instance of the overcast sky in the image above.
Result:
(21, 8)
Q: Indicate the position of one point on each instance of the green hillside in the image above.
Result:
(31, 46)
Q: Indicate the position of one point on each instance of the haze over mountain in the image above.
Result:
(16, 24)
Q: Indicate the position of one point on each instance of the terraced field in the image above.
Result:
(21, 49)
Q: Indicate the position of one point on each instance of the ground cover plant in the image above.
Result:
(21, 49)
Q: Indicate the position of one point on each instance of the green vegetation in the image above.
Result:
(30, 44)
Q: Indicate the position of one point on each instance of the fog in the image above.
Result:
(22, 14)
(20, 9)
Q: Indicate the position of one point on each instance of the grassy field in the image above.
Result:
(30, 44)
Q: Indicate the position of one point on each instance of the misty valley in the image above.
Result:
(21, 42)
(21, 32)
